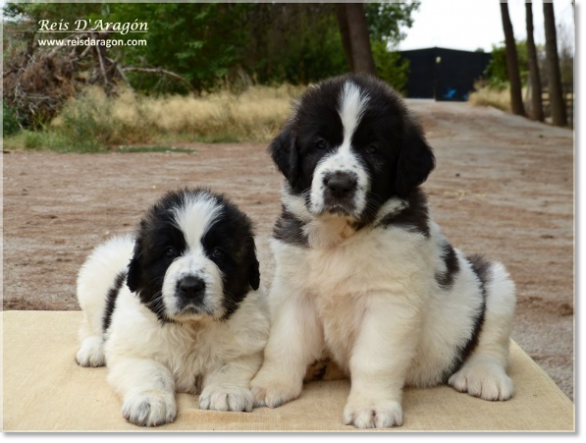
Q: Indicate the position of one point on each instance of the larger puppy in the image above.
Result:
(363, 271)
(176, 309)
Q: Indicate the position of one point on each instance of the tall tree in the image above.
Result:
(556, 100)
(536, 104)
(345, 33)
(357, 34)
(512, 61)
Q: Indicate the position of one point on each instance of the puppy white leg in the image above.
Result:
(382, 354)
(228, 388)
(147, 389)
(91, 352)
(484, 373)
(296, 339)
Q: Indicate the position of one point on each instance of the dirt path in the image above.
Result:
(503, 185)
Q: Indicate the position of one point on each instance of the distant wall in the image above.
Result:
(451, 79)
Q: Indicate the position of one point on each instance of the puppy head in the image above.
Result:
(194, 257)
(350, 146)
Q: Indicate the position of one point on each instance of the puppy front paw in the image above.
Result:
(373, 414)
(91, 353)
(485, 380)
(230, 398)
(274, 391)
(151, 408)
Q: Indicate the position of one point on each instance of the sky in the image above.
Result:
(473, 24)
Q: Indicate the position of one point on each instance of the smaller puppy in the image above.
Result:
(176, 309)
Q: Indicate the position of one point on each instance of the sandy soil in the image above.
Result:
(503, 186)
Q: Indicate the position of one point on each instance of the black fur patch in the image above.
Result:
(414, 218)
(231, 234)
(446, 279)
(289, 229)
(111, 300)
(482, 268)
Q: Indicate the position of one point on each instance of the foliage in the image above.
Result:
(214, 44)
(9, 120)
(384, 22)
(294, 43)
(496, 71)
(390, 66)
(201, 42)
(386, 18)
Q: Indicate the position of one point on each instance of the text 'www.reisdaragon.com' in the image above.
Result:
(108, 43)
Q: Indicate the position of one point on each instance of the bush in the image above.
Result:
(390, 66)
(9, 120)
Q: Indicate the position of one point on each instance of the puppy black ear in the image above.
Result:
(134, 272)
(416, 161)
(254, 269)
(283, 151)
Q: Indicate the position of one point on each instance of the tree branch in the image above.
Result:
(161, 71)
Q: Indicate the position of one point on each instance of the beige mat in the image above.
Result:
(44, 390)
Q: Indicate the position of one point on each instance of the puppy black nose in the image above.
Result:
(340, 184)
(192, 287)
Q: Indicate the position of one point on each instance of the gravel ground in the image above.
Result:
(503, 186)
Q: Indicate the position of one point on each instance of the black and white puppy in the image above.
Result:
(176, 309)
(363, 272)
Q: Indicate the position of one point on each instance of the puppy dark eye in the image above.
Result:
(170, 252)
(321, 144)
(372, 149)
(217, 253)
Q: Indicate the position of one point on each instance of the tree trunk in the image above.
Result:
(536, 104)
(345, 33)
(362, 58)
(556, 100)
(512, 62)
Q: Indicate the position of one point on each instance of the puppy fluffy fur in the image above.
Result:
(362, 270)
(176, 309)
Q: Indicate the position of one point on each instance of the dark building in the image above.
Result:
(443, 74)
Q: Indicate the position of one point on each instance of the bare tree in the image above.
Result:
(558, 107)
(536, 104)
(512, 61)
(355, 38)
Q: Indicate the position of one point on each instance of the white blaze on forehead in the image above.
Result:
(195, 216)
(352, 105)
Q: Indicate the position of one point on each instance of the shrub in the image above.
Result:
(9, 120)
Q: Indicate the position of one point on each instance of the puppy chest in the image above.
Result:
(359, 268)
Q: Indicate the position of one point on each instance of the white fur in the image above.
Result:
(388, 325)
(194, 217)
(148, 361)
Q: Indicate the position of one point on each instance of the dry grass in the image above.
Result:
(254, 115)
(93, 121)
(499, 98)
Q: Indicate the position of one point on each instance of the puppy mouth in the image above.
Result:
(193, 310)
(343, 210)
(344, 207)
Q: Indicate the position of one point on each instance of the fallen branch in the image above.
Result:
(162, 71)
